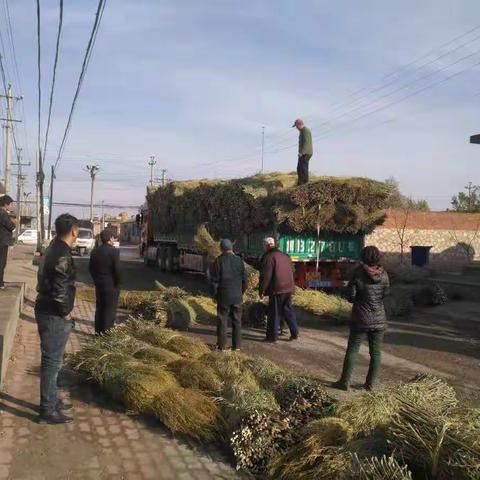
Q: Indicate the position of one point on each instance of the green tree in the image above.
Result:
(402, 202)
(466, 202)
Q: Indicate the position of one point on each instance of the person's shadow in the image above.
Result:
(18, 407)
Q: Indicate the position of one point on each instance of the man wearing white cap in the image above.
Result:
(278, 283)
(305, 150)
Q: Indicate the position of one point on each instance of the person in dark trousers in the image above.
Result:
(278, 283)
(7, 226)
(229, 282)
(53, 312)
(305, 150)
(105, 271)
(368, 287)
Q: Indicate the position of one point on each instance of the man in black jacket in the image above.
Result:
(7, 226)
(105, 271)
(53, 312)
(229, 281)
(368, 287)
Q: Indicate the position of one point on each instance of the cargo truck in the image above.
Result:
(320, 261)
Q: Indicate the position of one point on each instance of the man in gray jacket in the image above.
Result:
(229, 281)
(305, 150)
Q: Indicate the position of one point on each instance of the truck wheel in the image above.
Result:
(170, 264)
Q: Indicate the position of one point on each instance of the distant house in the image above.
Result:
(129, 232)
(454, 237)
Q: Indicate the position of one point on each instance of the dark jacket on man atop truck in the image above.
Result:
(56, 281)
(229, 279)
(6, 229)
(276, 274)
(368, 288)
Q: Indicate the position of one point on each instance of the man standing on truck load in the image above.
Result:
(53, 312)
(278, 283)
(368, 287)
(305, 150)
(229, 282)
(105, 270)
(7, 226)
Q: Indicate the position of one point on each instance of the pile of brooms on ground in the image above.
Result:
(278, 423)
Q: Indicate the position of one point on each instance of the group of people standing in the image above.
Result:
(229, 282)
(55, 302)
(368, 286)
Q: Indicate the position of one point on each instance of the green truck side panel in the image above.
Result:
(305, 247)
(298, 247)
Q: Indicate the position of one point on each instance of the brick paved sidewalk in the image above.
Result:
(102, 443)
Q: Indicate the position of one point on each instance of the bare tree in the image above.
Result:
(401, 220)
(466, 244)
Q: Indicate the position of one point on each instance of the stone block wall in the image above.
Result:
(451, 249)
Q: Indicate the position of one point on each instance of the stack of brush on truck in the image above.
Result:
(320, 225)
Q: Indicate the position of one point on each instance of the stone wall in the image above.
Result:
(450, 248)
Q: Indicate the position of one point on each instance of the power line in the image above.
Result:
(39, 77)
(57, 49)
(86, 60)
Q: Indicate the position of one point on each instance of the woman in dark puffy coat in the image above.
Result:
(368, 287)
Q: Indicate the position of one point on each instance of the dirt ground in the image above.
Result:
(443, 341)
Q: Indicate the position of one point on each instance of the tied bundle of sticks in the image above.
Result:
(241, 206)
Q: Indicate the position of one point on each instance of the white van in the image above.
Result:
(28, 237)
(85, 241)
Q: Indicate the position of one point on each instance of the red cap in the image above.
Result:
(298, 123)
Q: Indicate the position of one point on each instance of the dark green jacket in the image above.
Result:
(229, 279)
(305, 145)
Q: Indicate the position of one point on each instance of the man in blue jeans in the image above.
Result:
(278, 283)
(53, 312)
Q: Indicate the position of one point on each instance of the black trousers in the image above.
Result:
(3, 262)
(280, 308)
(224, 313)
(106, 309)
(302, 169)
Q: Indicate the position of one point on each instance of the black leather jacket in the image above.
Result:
(6, 228)
(368, 288)
(56, 281)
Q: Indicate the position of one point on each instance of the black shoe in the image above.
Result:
(368, 388)
(340, 386)
(268, 340)
(62, 406)
(292, 338)
(55, 418)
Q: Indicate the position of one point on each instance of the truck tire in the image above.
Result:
(168, 259)
(161, 258)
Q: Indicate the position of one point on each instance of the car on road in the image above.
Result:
(28, 237)
(85, 242)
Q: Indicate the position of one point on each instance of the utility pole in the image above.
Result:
(9, 137)
(20, 180)
(263, 146)
(52, 178)
(103, 214)
(164, 171)
(25, 210)
(93, 170)
(151, 164)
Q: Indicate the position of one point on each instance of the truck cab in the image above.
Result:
(85, 241)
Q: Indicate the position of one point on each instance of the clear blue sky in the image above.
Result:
(194, 82)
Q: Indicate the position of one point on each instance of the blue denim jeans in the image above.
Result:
(54, 332)
(280, 308)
